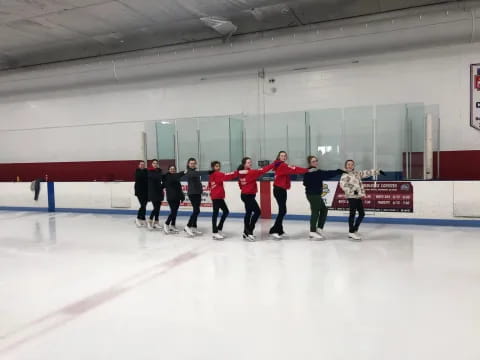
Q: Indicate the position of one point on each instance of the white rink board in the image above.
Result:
(20, 195)
(432, 199)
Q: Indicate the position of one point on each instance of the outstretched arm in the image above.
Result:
(230, 175)
(327, 174)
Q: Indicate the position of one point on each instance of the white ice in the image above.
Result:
(82, 286)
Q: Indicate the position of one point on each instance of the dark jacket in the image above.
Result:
(141, 182)
(194, 184)
(155, 185)
(173, 187)
(313, 181)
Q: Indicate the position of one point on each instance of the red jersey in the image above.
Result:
(248, 182)
(215, 183)
(283, 172)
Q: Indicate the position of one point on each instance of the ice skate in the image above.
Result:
(218, 236)
(196, 231)
(166, 229)
(139, 223)
(315, 236)
(276, 236)
(354, 236)
(188, 231)
(150, 224)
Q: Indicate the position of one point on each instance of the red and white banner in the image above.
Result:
(206, 199)
(385, 196)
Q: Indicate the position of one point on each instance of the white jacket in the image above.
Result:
(351, 183)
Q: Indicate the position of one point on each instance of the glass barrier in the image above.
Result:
(401, 139)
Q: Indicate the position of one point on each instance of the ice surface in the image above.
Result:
(82, 286)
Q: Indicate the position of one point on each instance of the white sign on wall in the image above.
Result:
(475, 96)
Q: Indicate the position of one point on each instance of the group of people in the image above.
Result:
(151, 184)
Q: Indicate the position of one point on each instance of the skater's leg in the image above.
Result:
(322, 214)
(256, 214)
(142, 210)
(225, 213)
(361, 214)
(281, 197)
(195, 200)
(175, 206)
(216, 208)
(248, 213)
(353, 210)
(314, 211)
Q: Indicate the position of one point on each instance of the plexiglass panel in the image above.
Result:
(165, 140)
(415, 141)
(390, 139)
(214, 141)
(326, 137)
(275, 134)
(358, 136)
(236, 142)
(187, 141)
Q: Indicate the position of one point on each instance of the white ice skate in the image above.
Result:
(156, 225)
(196, 231)
(166, 229)
(315, 236)
(139, 223)
(188, 231)
(173, 229)
(276, 236)
(150, 224)
(321, 232)
(354, 236)
(218, 236)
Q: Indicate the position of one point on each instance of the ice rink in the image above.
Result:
(83, 286)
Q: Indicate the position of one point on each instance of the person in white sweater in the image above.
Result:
(352, 186)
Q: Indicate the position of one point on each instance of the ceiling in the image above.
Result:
(35, 32)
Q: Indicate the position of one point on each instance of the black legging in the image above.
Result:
(280, 195)
(355, 205)
(156, 210)
(252, 213)
(217, 205)
(195, 199)
(142, 199)
(172, 217)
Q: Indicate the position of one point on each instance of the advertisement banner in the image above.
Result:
(206, 199)
(385, 196)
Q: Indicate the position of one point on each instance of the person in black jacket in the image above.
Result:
(155, 193)
(175, 196)
(195, 190)
(141, 192)
(313, 182)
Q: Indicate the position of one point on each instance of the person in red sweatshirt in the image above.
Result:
(217, 193)
(247, 180)
(280, 186)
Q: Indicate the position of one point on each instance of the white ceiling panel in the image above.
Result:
(38, 31)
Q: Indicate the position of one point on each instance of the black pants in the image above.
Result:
(143, 200)
(281, 197)
(252, 213)
(195, 199)
(217, 205)
(156, 210)
(355, 205)
(172, 217)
